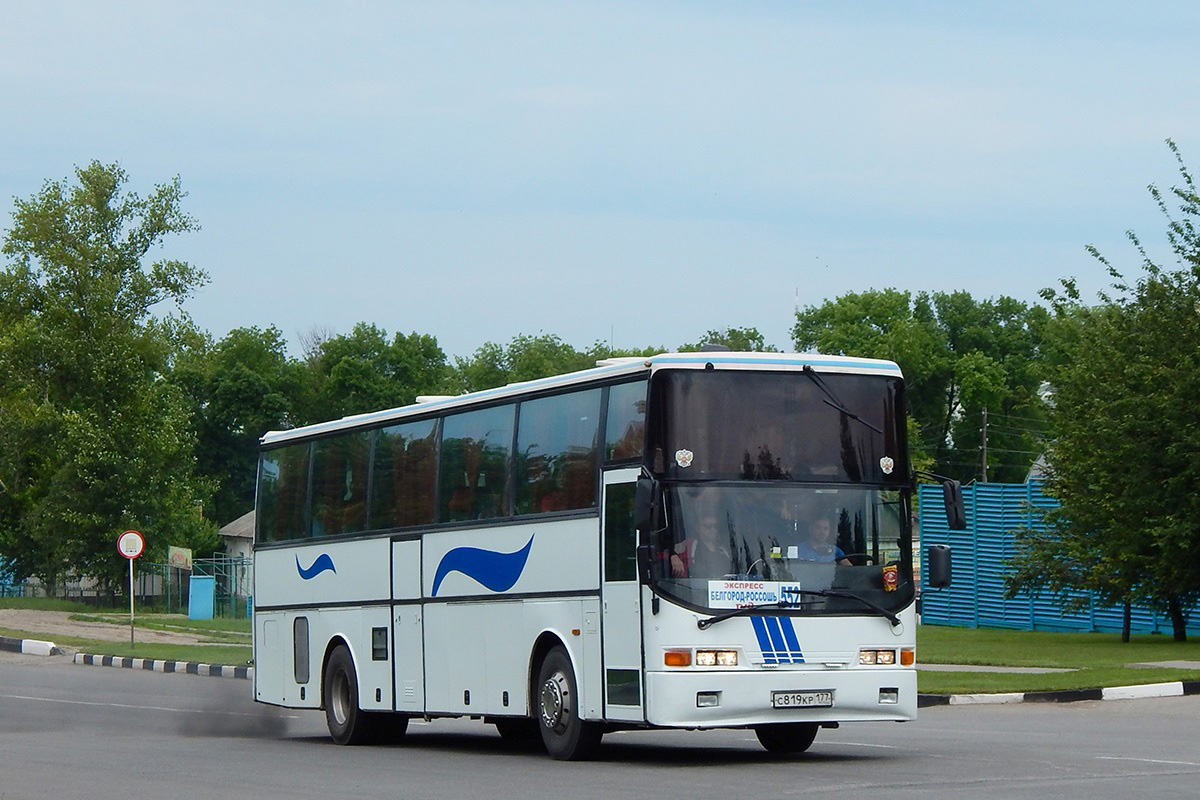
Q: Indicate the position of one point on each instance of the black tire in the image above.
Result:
(348, 724)
(566, 736)
(787, 738)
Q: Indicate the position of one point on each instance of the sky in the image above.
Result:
(629, 173)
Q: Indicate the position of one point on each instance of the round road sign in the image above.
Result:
(131, 544)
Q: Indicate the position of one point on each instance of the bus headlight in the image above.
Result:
(716, 658)
(869, 657)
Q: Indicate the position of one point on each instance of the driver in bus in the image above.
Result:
(819, 546)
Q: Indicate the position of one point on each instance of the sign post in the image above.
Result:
(130, 545)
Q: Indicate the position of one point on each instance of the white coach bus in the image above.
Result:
(688, 540)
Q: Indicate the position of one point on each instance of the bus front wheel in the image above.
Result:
(565, 734)
(788, 737)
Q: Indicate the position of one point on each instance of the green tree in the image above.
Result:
(742, 340)
(525, 358)
(960, 356)
(363, 371)
(1124, 457)
(93, 440)
(240, 388)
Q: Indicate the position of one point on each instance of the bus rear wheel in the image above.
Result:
(565, 734)
(787, 738)
(349, 724)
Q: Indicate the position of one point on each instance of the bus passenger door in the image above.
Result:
(621, 631)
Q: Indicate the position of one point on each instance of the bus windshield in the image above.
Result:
(740, 425)
(731, 545)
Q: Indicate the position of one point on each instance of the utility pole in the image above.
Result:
(983, 448)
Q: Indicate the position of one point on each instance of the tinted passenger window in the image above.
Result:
(339, 493)
(405, 463)
(556, 452)
(282, 493)
(626, 427)
(475, 459)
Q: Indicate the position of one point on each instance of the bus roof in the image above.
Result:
(605, 369)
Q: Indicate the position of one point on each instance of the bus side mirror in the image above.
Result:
(956, 516)
(938, 576)
(647, 505)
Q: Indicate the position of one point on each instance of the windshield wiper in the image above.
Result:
(831, 398)
(704, 624)
(880, 610)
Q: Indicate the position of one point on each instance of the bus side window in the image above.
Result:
(282, 493)
(339, 491)
(626, 425)
(404, 473)
(556, 452)
(474, 464)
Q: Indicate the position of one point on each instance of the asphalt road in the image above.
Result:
(71, 731)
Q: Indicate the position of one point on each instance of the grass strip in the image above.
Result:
(1099, 660)
(233, 631)
(230, 655)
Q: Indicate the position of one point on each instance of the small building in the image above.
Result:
(238, 536)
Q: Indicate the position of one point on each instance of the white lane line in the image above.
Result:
(134, 707)
(1149, 761)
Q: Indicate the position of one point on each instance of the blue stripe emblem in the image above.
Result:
(496, 571)
(322, 564)
(777, 640)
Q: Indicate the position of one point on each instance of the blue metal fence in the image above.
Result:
(8, 586)
(980, 555)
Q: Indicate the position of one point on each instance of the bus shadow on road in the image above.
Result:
(618, 748)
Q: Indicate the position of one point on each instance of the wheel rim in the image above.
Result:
(554, 704)
(339, 699)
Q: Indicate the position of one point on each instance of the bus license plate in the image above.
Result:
(819, 699)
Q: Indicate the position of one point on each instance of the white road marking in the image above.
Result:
(1149, 761)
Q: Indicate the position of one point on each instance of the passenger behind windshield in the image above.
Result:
(703, 554)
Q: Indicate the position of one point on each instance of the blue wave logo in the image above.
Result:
(497, 571)
(323, 563)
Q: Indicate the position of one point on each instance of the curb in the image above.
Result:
(33, 647)
(1171, 689)
(157, 665)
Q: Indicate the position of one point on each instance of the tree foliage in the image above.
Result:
(240, 388)
(742, 340)
(525, 358)
(364, 371)
(1124, 458)
(959, 356)
(93, 440)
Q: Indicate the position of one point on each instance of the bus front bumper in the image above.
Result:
(732, 699)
